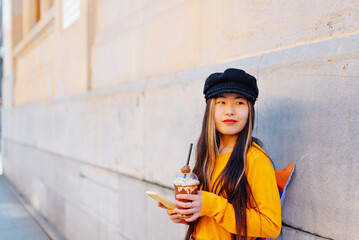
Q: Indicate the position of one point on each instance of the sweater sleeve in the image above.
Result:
(262, 221)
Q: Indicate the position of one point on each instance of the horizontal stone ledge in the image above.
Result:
(325, 48)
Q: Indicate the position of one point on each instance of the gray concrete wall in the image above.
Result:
(85, 160)
(309, 107)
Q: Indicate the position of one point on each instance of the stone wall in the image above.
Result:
(122, 99)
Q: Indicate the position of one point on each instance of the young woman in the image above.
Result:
(238, 197)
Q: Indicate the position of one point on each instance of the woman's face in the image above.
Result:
(230, 113)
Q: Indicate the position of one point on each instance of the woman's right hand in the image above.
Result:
(173, 214)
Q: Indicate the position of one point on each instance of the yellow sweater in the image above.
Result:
(217, 214)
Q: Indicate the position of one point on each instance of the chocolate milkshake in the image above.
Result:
(185, 183)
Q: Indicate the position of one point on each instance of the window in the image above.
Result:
(26, 14)
(71, 11)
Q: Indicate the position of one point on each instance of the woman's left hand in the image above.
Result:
(193, 207)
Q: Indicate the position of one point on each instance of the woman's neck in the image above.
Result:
(227, 143)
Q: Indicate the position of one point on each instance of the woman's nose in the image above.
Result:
(229, 111)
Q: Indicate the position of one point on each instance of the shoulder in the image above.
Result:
(256, 156)
(255, 151)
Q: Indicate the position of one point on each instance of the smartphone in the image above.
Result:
(168, 204)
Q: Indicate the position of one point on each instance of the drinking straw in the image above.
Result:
(189, 157)
(189, 154)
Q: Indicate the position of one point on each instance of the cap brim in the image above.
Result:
(230, 90)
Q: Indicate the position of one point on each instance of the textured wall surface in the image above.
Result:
(84, 158)
(314, 122)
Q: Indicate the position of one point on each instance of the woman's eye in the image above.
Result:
(221, 102)
(239, 103)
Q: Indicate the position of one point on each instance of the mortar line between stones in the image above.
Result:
(304, 231)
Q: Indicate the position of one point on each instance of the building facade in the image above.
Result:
(102, 98)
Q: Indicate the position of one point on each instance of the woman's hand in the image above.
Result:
(172, 213)
(193, 207)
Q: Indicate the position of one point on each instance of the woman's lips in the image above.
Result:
(229, 121)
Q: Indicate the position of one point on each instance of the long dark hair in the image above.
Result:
(232, 182)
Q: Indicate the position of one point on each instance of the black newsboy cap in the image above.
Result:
(231, 81)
